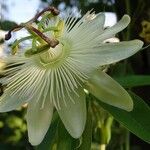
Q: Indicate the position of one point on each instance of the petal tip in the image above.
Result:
(130, 106)
(126, 15)
(77, 132)
(34, 137)
(139, 43)
(34, 142)
(76, 129)
(125, 20)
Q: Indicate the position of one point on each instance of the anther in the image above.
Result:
(52, 42)
(16, 28)
(54, 11)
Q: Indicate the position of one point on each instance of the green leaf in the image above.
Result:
(7, 25)
(121, 69)
(47, 143)
(136, 121)
(133, 80)
(64, 138)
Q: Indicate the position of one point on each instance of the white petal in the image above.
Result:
(74, 114)
(108, 53)
(113, 52)
(93, 25)
(109, 91)
(89, 34)
(38, 120)
(119, 26)
(100, 19)
(83, 35)
(9, 102)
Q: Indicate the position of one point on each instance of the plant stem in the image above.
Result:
(127, 140)
(102, 147)
(128, 10)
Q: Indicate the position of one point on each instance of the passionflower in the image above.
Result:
(63, 60)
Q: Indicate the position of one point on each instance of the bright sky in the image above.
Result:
(23, 10)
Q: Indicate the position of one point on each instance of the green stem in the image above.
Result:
(21, 40)
(106, 132)
(139, 9)
(127, 140)
(128, 10)
(15, 45)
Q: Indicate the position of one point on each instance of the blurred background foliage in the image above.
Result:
(13, 134)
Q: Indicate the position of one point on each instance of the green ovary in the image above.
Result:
(54, 57)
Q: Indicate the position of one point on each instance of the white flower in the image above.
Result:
(56, 77)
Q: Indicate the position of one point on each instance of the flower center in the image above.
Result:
(54, 57)
(52, 54)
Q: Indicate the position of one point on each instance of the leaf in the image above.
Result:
(136, 121)
(121, 69)
(133, 80)
(7, 25)
(64, 138)
(49, 138)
